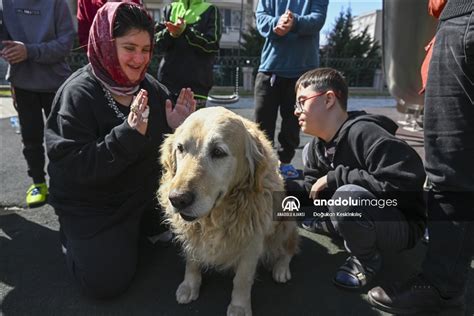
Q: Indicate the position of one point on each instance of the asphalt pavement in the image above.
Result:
(34, 280)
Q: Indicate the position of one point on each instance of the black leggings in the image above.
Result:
(31, 106)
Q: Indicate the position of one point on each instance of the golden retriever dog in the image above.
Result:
(219, 187)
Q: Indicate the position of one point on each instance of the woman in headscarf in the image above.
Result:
(103, 137)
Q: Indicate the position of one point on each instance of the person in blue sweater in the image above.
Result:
(291, 31)
(39, 37)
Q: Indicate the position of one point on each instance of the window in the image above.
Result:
(155, 14)
(230, 20)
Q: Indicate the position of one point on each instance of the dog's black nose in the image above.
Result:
(180, 199)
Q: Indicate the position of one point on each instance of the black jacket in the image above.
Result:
(99, 167)
(456, 8)
(189, 59)
(368, 154)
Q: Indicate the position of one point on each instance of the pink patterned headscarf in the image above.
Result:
(102, 52)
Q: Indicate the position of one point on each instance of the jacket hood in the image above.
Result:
(362, 116)
(354, 117)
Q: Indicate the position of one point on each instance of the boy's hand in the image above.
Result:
(285, 23)
(176, 29)
(14, 52)
(319, 186)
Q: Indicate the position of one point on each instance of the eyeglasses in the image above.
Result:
(299, 105)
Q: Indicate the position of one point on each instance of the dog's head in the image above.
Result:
(209, 155)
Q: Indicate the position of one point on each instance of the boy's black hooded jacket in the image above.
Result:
(368, 154)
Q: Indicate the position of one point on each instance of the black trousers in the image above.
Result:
(31, 106)
(449, 147)
(102, 247)
(103, 265)
(269, 97)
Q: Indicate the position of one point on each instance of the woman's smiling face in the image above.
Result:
(134, 53)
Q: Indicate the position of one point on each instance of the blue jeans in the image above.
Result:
(449, 146)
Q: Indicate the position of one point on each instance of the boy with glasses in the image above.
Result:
(374, 179)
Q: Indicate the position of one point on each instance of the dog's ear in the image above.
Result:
(255, 154)
(168, 157)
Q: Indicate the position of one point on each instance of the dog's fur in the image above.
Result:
(220, 183)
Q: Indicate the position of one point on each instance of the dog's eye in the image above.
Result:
(218, 153)
(180, 148)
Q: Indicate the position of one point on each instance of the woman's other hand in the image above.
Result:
(185, 105)
(139, 111)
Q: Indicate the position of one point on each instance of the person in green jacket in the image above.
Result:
(188, 38)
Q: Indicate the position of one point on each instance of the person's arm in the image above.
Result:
(391, 165)
(56, 50)
(73, 144)
(313, 169)
(163, 38)
(312, 23)
(265, 20)
(207, 42)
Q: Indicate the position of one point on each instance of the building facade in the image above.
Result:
(372, 21)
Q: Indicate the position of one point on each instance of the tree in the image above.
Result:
(356, 55)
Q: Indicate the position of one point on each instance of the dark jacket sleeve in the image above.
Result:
(389, 163)
(163, 38)
(266, 21)
(313, 169)
(207, 42)
(73, 144)
(312, 23)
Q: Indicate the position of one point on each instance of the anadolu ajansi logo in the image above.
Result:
(290, 204)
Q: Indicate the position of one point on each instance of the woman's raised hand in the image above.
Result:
(185, 105)
(139, 111)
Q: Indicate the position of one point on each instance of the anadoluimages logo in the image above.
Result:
(290, 204)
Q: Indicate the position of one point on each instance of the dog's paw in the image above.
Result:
(234, 310)
(186, 293)
(281, 271)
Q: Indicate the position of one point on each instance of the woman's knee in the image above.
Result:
(103, 280)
